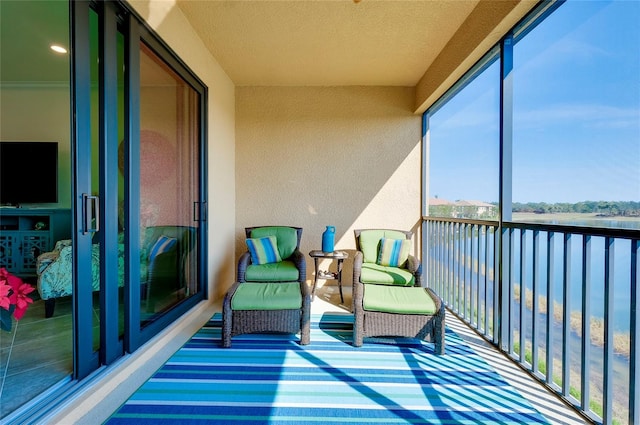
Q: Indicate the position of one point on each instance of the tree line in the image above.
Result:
(601, 208)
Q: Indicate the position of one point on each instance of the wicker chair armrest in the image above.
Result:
(229, 295)
(415, 267)
(305, 290)
(358, 289)
(243, 263)
(412, 264)
(358, 259)
(300, 261)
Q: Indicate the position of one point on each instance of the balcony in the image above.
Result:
(108, 394)
(560, 301)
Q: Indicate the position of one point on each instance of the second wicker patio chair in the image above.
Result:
(388, 299)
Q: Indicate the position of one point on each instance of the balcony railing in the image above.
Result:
(561, 301)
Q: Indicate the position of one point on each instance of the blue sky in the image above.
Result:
(576, 114)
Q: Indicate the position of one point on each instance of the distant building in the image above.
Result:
(462, 209)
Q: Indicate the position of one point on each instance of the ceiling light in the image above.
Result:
(58, 49)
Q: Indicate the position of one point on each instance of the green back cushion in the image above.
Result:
(263, 250)
(286, 238)
(370, 241)
(394, 299)
(267, 296)
(393, 252)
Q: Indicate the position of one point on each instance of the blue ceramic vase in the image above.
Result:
(328, 239)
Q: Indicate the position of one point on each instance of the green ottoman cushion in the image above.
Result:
(267, 296)
(375, 273)
(397, 299)
(284, 271)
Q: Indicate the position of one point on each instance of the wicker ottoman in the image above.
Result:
(417, 313)
(271, 307)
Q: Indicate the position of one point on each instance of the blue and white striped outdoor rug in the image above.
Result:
(270, 379)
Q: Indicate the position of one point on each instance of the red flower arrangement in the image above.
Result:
(14, 299)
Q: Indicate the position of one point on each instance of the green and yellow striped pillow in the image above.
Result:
(393, 252)
(264, 250)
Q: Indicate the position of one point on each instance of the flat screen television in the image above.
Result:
(28, 173)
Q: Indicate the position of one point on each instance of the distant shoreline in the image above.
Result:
(572, 215)
(572, 218)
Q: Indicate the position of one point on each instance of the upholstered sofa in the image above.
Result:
(160, 267)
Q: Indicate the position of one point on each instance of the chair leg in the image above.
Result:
(305, 315)
(49, 307)
(439, 332)
(358, 328)
(227, 324)
(305, 330)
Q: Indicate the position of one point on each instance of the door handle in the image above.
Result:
(200, 211)
(91, 207)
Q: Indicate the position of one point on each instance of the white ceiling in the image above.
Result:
(326, 42)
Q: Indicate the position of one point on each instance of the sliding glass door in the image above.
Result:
(139, 194)
(119, 255)
(164, 193)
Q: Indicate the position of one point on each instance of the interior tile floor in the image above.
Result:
(36, 355)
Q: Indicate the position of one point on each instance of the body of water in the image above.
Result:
(594, 266)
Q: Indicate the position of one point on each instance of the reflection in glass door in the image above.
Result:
(169, 186)
(35, 107)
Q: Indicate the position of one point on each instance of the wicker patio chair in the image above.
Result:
(388, 299)
(271, 297)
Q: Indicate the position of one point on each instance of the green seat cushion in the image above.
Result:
(267, 296)
(284, 271)
(369, 242)
(397, 299)
(375, 273)
(286, 238)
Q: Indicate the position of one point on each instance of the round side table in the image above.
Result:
(318, 255)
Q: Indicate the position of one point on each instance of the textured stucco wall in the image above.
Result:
(318, 156)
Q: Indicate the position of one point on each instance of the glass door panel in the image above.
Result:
(35, 240)
(121, 185)
(98, 257)
(169, 186)
(95, 176)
